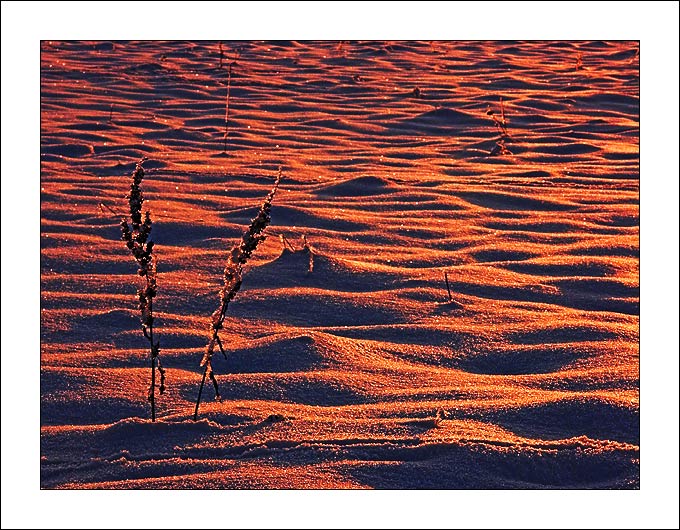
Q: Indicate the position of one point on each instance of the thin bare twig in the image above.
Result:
(226, 111)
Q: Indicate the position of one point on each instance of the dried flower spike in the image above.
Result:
(233, 276)
(136, 236)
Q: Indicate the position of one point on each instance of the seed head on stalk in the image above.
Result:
(233, 277)
(136, 236)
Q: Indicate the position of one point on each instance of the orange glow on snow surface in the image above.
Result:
(350, 367)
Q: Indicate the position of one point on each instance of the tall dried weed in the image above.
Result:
(233, 276)
(136, 236)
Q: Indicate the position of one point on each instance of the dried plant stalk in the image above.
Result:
(136, 236)
(226, 110)
(233, 276)
(502, 127)
(306, 247)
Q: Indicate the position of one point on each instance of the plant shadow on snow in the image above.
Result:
(569, 418)
(306, 389)
(292, 269)
(481, 467)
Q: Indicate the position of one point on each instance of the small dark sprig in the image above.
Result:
(502, 127)
(306, 247)
(501, 123)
